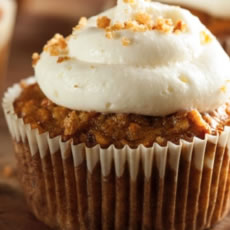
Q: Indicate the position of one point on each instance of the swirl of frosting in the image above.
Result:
(140, 57)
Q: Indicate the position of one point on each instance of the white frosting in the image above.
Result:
(7, 20)
(157, 74)
(219, 8)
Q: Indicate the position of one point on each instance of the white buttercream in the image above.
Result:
(8, 8)
(158, 74)
(219, 8)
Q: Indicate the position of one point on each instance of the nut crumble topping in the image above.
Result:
(126, 41)
(56, 46)
(35, 59)
(143, 18)
(180, 27)
(205, 38)
(62, 59)
(82, 23)
(103, 22)
(109, 35)
(141, 23)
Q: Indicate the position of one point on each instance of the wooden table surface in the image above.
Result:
(30, 35)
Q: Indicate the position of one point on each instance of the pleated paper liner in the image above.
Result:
(70, 187)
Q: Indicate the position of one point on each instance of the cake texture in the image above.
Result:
(126, 123)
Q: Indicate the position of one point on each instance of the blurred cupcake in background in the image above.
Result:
(7, 19)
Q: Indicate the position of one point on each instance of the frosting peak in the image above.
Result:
(139, 57)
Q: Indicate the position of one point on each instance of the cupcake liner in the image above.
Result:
(69, 186)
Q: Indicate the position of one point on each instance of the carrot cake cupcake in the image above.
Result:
(126, 123)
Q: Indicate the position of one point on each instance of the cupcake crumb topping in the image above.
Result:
(205, 38)
(103, 22)
(62, 59)
(143, 18)
(179, 27)
(56, 46)
(142, 22)
(126, 41)
(35, 59)
(109, 35)
(81, 23)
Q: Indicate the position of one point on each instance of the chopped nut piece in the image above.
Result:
(62, 59)
(81, 23)
(143, 18)
(56, 46)
(139, 28)
(35, 59)
(117, 26)
(103, 22)
(126, 41)
(205, 38)
(179, 27)
(129, 25)
(164, 25)
(109, 35)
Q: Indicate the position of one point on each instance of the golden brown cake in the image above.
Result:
(126, 123)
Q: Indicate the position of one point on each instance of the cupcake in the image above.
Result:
(214, 14)
(125, 124)
(7, 18)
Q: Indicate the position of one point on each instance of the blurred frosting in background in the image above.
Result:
(7, 19)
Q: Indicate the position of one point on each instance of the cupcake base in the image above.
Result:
(68, 187)
(69, 197)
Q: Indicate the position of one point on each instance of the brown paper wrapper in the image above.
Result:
(69, 187)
